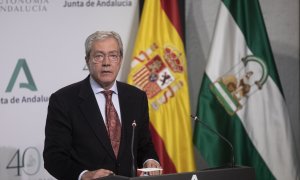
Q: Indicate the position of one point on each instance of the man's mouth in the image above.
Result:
(106, 72)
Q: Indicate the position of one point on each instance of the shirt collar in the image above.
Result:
(97, 88)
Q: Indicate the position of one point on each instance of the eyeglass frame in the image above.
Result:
(106, 55)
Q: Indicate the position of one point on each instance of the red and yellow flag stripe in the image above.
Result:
(159, 67)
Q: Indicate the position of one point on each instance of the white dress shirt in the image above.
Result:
(97, 89)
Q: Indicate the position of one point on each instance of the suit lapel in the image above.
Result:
(124, 101)
(91, 112)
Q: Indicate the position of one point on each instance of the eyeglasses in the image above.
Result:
(112, 57)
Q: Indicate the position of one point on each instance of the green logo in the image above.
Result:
(29, 85)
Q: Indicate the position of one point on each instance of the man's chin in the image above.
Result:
(106, 84)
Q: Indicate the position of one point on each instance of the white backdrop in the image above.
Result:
(43, 41)
(51, 38)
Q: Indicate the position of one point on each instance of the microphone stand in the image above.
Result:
(133, 170)
(195, 118)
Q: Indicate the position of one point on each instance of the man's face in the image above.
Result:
(104, 72)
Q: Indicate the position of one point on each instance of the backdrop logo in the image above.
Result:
(29, 85)
(23, 6)
(97, 3)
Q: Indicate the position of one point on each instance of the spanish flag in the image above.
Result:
(159, 68)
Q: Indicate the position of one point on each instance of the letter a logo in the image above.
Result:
(29, 85)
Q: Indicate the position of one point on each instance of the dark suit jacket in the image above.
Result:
(76, 137)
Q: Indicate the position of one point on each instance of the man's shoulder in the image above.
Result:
(128, 88)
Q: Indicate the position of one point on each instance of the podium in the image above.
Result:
(235, 173)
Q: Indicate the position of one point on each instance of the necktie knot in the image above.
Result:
(107, 93)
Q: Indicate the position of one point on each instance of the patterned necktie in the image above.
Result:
(113, 124)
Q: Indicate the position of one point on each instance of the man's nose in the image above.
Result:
(106, 61)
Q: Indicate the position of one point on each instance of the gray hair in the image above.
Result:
(101, 35)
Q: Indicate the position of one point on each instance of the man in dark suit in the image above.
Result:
(78, 136)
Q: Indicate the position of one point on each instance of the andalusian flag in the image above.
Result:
(241, 97)
(159, 68)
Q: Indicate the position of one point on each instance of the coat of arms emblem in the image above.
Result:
(234, 87)
(157, 72)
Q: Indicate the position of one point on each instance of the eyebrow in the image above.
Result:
(114, 51)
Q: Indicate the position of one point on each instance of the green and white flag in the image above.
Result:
(241, 97)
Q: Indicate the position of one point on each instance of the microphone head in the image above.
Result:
(195, 118)
(133, 123)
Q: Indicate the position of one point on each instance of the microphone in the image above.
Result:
(133, 170)
(195, 118)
